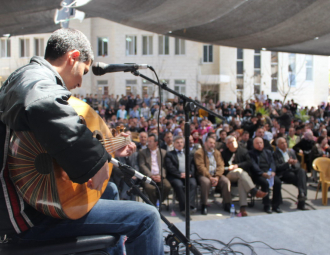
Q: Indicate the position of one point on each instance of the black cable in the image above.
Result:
(159, 148)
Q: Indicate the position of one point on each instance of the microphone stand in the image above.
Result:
(172, 240)
(190, 105)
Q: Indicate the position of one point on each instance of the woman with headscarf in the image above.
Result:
(305, 145)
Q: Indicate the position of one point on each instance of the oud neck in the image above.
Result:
(113, 144)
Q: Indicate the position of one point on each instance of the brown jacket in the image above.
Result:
(145, 162)
(202, 163)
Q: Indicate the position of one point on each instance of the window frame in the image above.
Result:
(180, 43)
(208, 54)
(6, 42)
(134, 43)
(164, 45)
(103, 42)
(26, 47)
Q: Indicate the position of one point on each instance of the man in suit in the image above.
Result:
(118, 177)
(237, 165)
(150, 165)
(262, 162)
(168, 141)
(210, 168)
(176, 167)
(143, 136)
(259, 133)
(288, 170)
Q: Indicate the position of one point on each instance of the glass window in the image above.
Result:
(24, 48)
(239, 74)
(239, 53)
(180, 48)
(180, 86)
(131, 87)
(292, 69)
(147, 45)
(102, 87)
(102, 46)
(239, 67)
(39, 47)
(163, 45)
(164, 93)
(130, 45)
(5, 48)
(274, 71)
(208, 53)
(309, 67)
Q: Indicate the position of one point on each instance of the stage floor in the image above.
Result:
(307, 232)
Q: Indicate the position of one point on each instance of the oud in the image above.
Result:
(43, 184)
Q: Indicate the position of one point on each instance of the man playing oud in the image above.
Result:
(35, 98)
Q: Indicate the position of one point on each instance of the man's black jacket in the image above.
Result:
(281, 165)
(255, 155)
(172, 165)
(34, 98)
(242, 158)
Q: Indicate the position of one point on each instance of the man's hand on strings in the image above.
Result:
(96, 182)
(127, 150)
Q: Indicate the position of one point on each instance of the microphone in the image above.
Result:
(131, 171)
(100, 68)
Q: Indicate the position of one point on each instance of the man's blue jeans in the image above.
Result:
(138, 221)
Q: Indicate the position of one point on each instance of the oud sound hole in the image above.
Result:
(44, 163)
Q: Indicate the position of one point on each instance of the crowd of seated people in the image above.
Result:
(241, 149)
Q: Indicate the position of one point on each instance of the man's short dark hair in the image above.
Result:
(222, 131)
(245, 132)
(66, 39)
(168, 132)
(154, 136)
(209, 137)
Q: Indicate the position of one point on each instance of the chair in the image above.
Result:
(83, 245)
(322, 165)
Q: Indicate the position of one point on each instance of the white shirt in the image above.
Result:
(154, 163)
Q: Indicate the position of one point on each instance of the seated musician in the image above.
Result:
(35, 98)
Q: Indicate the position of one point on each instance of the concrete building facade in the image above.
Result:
(192, 68)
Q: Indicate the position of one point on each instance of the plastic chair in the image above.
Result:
(322, 165)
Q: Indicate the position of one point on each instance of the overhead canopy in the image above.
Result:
(301, 26)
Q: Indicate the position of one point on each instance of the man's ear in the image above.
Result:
(74, 56)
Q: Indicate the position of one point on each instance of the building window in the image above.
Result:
(39, 49)
(239, 75)
(24, 48)
(102, 46)
(5, 48)
(257, 72)
(180, 86)
(309, 68)
(274, 70)
(292, 70)
(147, 48)
(208, 53)
(163, 45)
(164, 93)
(102, 87)
(147, 87)
(131, 87)
(180, 46)
(130, 45)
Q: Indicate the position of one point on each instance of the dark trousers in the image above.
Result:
(297, 177)
(178, 184)
(277, 195)
(153, 193)
(223, 186)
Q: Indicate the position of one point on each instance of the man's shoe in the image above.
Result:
(302, 198)
(277, 209)
(267, 209)
(261, 194)
(204, 210)
(301, 206)
(193, 210)
(227, 207)
(243, 212)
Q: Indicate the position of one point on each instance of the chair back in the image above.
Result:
(322, 165)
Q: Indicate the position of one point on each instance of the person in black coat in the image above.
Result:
(306, 145)
(175, 170)
(285, 118)
(288, 170)
(260, 133)
(237, 166)
(262, 162)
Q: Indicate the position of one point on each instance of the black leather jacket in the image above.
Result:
(34, 98)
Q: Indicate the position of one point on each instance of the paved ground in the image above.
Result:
(215, 209)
